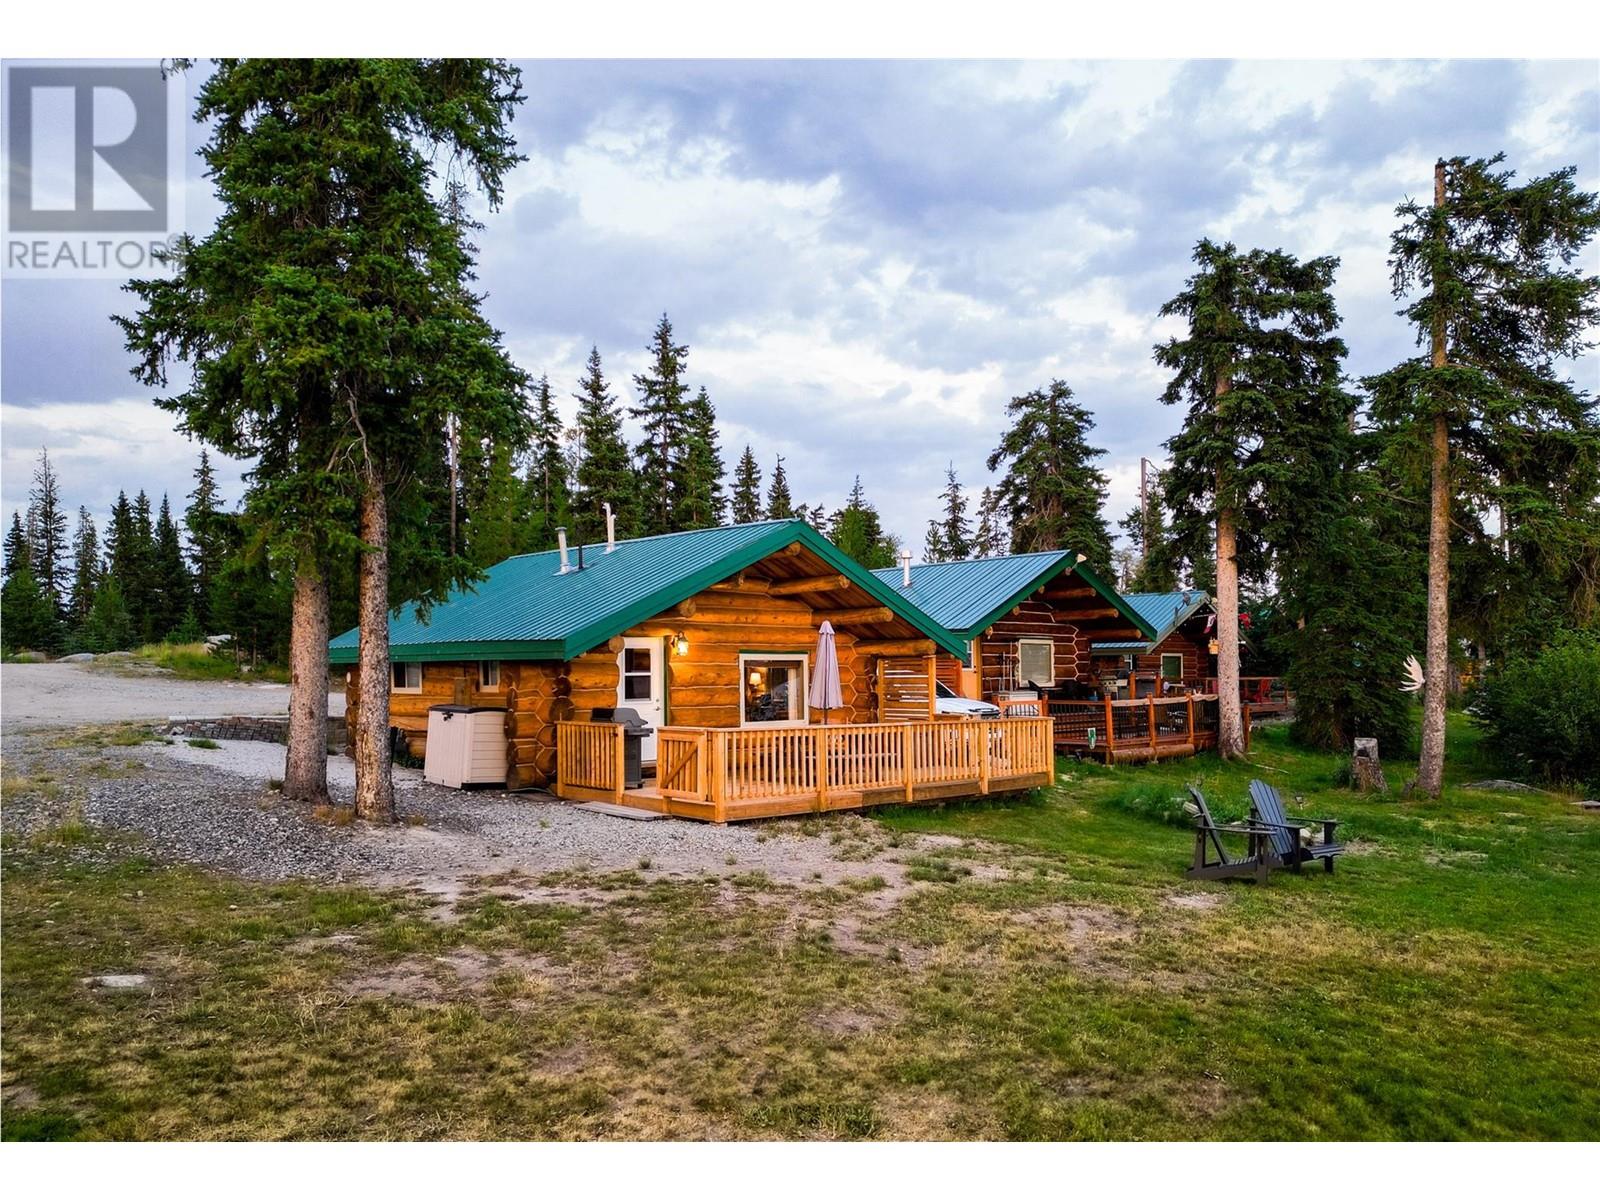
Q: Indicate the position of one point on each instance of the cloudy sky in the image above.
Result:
(868, 259)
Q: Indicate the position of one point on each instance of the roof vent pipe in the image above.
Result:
(561, 540)
(905, 568)
(611, 527)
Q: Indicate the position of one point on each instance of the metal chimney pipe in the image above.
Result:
(905, 568)
(561, 540)
(611, 527)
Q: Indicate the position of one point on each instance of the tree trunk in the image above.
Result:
(1230, 717)
(305, 771)
(1436, 684)
(374, 782)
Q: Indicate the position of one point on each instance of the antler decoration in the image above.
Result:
(1414, 677)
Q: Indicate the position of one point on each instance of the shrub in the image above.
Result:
(1541, 715)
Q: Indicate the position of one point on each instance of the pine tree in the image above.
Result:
(108, 626)
(1152, 568)
(47, 525)
(780, 504)
(858, 531)
(498, 522)
(16, 549)
(955, 531)
(174, 588)
(992, 537)
(85, 568)
(1259, 370)
(549, 489)
(28, 619)
(701, 501)
(208, 536)
(663, 415)
(933, 550)
(1051, 492)
(746, 505)
(1499, 303)
(139, 583)
(605, 473)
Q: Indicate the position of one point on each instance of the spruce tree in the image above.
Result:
(858, 531)
(208, 531)
(16, 548)
(174, 587)
(548, 487)
(992, 537)
(1052, 493)
(28, 619)
(498, 522)
(1153, 568)
(933, 550)
(954, 529)
(746, 505)
(701, 501)
(780, 504)
(663, 416)
(1259, 370)
(47, 526)
(605, 473)
(85, 568)
(1498, 302)
(108, 626)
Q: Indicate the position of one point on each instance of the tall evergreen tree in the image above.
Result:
(780, 504)
(605, 473)
(86, 567)
(28, 619)
(950, 535)
(1153, 568)
(17, 549)
(549, 489)
(1259, 370)
(663, 415)
(174, 587)
(333, 338)
(746, 505)
(499, 522)
(858, 531)
(207, 527)
(108, 626)
(47, 526)
(992, 537)
(1498, 301)
(1052, 492)
(701, 500)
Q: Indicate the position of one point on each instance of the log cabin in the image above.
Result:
(710, 637)
(1178, 657)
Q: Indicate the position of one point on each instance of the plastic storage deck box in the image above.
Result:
(466, 746)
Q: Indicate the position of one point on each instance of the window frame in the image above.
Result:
(761, 656)
(404, 689)
(1023, 681)
(485, 663)
(1161, 670)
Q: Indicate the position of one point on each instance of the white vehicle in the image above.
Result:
(947, 704)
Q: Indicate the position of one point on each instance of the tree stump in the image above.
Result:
(1366, 772)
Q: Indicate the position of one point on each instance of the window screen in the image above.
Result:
(1036, 662)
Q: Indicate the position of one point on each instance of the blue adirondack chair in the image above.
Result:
(1286, 842)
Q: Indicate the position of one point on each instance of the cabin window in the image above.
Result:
(488, 677)
(408, 677)
(638, 673)
(773, 690)
(1172, 667)
(1036, 662)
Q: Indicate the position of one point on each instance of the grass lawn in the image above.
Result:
(194, 660)
(1058, 980)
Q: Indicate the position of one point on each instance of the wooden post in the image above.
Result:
(822, 767)
(1245, 710)
(620, 759)
(1151, 720)
(1191, 719)
(981, 731)
(1111, 730)
(719, 790)
(905, 754)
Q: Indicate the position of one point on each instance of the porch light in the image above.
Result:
(680, 643)
(755, 678)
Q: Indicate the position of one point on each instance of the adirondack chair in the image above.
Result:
(1287, 844)
(1208, 837)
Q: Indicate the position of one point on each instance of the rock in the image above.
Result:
(117, 654)
(28, 656)
(118, 983)
(84, 657)
(1499, 785)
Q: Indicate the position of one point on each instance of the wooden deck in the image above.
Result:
(742, 774)
(1129, 730)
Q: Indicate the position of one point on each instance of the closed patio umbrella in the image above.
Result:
(825, 692)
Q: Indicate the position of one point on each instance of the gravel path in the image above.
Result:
(35, 695)
(213, 808)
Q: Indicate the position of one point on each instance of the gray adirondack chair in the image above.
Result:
(1287, 846)
(1257, 860)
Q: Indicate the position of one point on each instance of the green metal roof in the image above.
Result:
(968, 596)
(527, 609)
(1164, 610)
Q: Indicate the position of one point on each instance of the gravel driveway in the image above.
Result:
(35, 695)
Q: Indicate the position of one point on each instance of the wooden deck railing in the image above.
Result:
(1263, 693)
(1145, 728)
(725, 773)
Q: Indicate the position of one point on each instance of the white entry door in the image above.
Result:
(640, 686)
